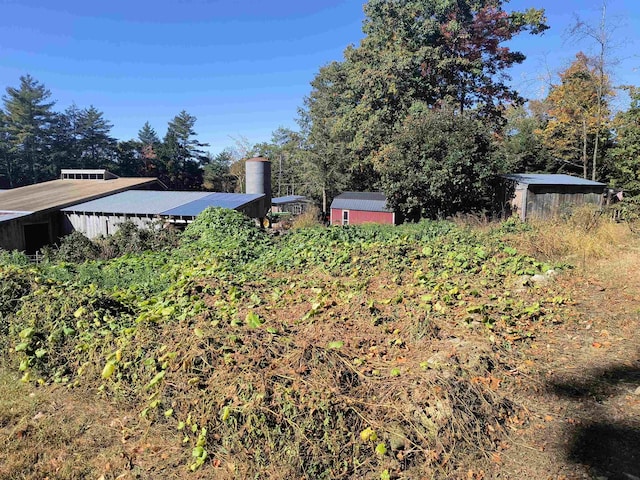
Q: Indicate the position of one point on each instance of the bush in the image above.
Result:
(132, 239)
(76, 248)
(226, 234)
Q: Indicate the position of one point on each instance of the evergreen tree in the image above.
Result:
(65, 148)
(28, 118)
(149, 143)
(9, 164)
(217, 172)
(181, 155)
(97, 147)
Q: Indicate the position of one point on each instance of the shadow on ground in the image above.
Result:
(611, 448)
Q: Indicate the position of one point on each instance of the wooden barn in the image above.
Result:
(294, 204)
(357, 208)
(147, 209)
(30, 216)
(530, 195)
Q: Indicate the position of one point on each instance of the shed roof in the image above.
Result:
(365, 201)
(61, 193)
(551, 179)
(6, 215)
(145, 202)
(288, 199)
(222, 200)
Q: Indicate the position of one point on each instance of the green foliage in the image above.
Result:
(225, 234)
(521, 147)
(76, 248)
(266, 346)
(217, 174)
(13, 258)
(130, 238)
(452, 166)
(624, 157)
(15, 284)
(416, 54)
(180, 154)
(25, 127)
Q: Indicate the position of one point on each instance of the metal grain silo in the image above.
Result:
(258, 178)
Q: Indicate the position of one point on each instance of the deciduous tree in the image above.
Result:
(440, 163)
(416, 54)
(624, 157)
(577, 114)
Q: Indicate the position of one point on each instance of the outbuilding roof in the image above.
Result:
(222, 200)
(6, 215)
(288, 199)
(365, 201)
(551, 179)
(145, 202)
(56, 194)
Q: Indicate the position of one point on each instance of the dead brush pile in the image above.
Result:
(366, 352)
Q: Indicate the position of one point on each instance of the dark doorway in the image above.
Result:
(36, 236)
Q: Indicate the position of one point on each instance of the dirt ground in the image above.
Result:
(577, 382)
(583, 394)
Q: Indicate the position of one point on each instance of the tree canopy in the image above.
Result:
(416, 55)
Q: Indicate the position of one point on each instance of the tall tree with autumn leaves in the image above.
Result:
(416, 56)
(578, 117)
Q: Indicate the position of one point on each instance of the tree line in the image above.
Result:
(422, 109)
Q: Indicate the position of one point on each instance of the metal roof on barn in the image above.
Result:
(364, 201)
(551, 179)
(55, 194)
(6, 215)
(288, 199)
(143, 202)
(221, 200)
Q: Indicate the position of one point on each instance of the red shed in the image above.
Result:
(356, 208)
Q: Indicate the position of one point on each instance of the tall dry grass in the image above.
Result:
(585, 235)
(310, 218)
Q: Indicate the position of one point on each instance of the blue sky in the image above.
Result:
(241, 67)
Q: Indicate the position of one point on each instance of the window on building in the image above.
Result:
(345, 217)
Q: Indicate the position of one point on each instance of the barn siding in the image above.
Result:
(359, 217)
(96, 225)
(545, 202)
(12, 236)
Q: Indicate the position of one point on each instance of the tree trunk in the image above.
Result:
(324, 200)
(595, 154)
(585, 162)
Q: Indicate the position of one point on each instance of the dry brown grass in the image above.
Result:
(54, 432)
(580, 239)
(310, 218)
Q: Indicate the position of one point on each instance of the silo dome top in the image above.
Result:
(258, 159)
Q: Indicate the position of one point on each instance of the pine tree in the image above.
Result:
(97, 147)
(181, 154)
(28, 117)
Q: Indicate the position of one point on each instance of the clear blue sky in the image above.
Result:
(241, 67)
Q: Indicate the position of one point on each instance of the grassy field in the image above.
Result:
(432, 350)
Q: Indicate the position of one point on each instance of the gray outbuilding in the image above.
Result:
(530, 195)
(30, 216)
(147, 209)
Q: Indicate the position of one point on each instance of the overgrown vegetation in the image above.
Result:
(322, 353)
